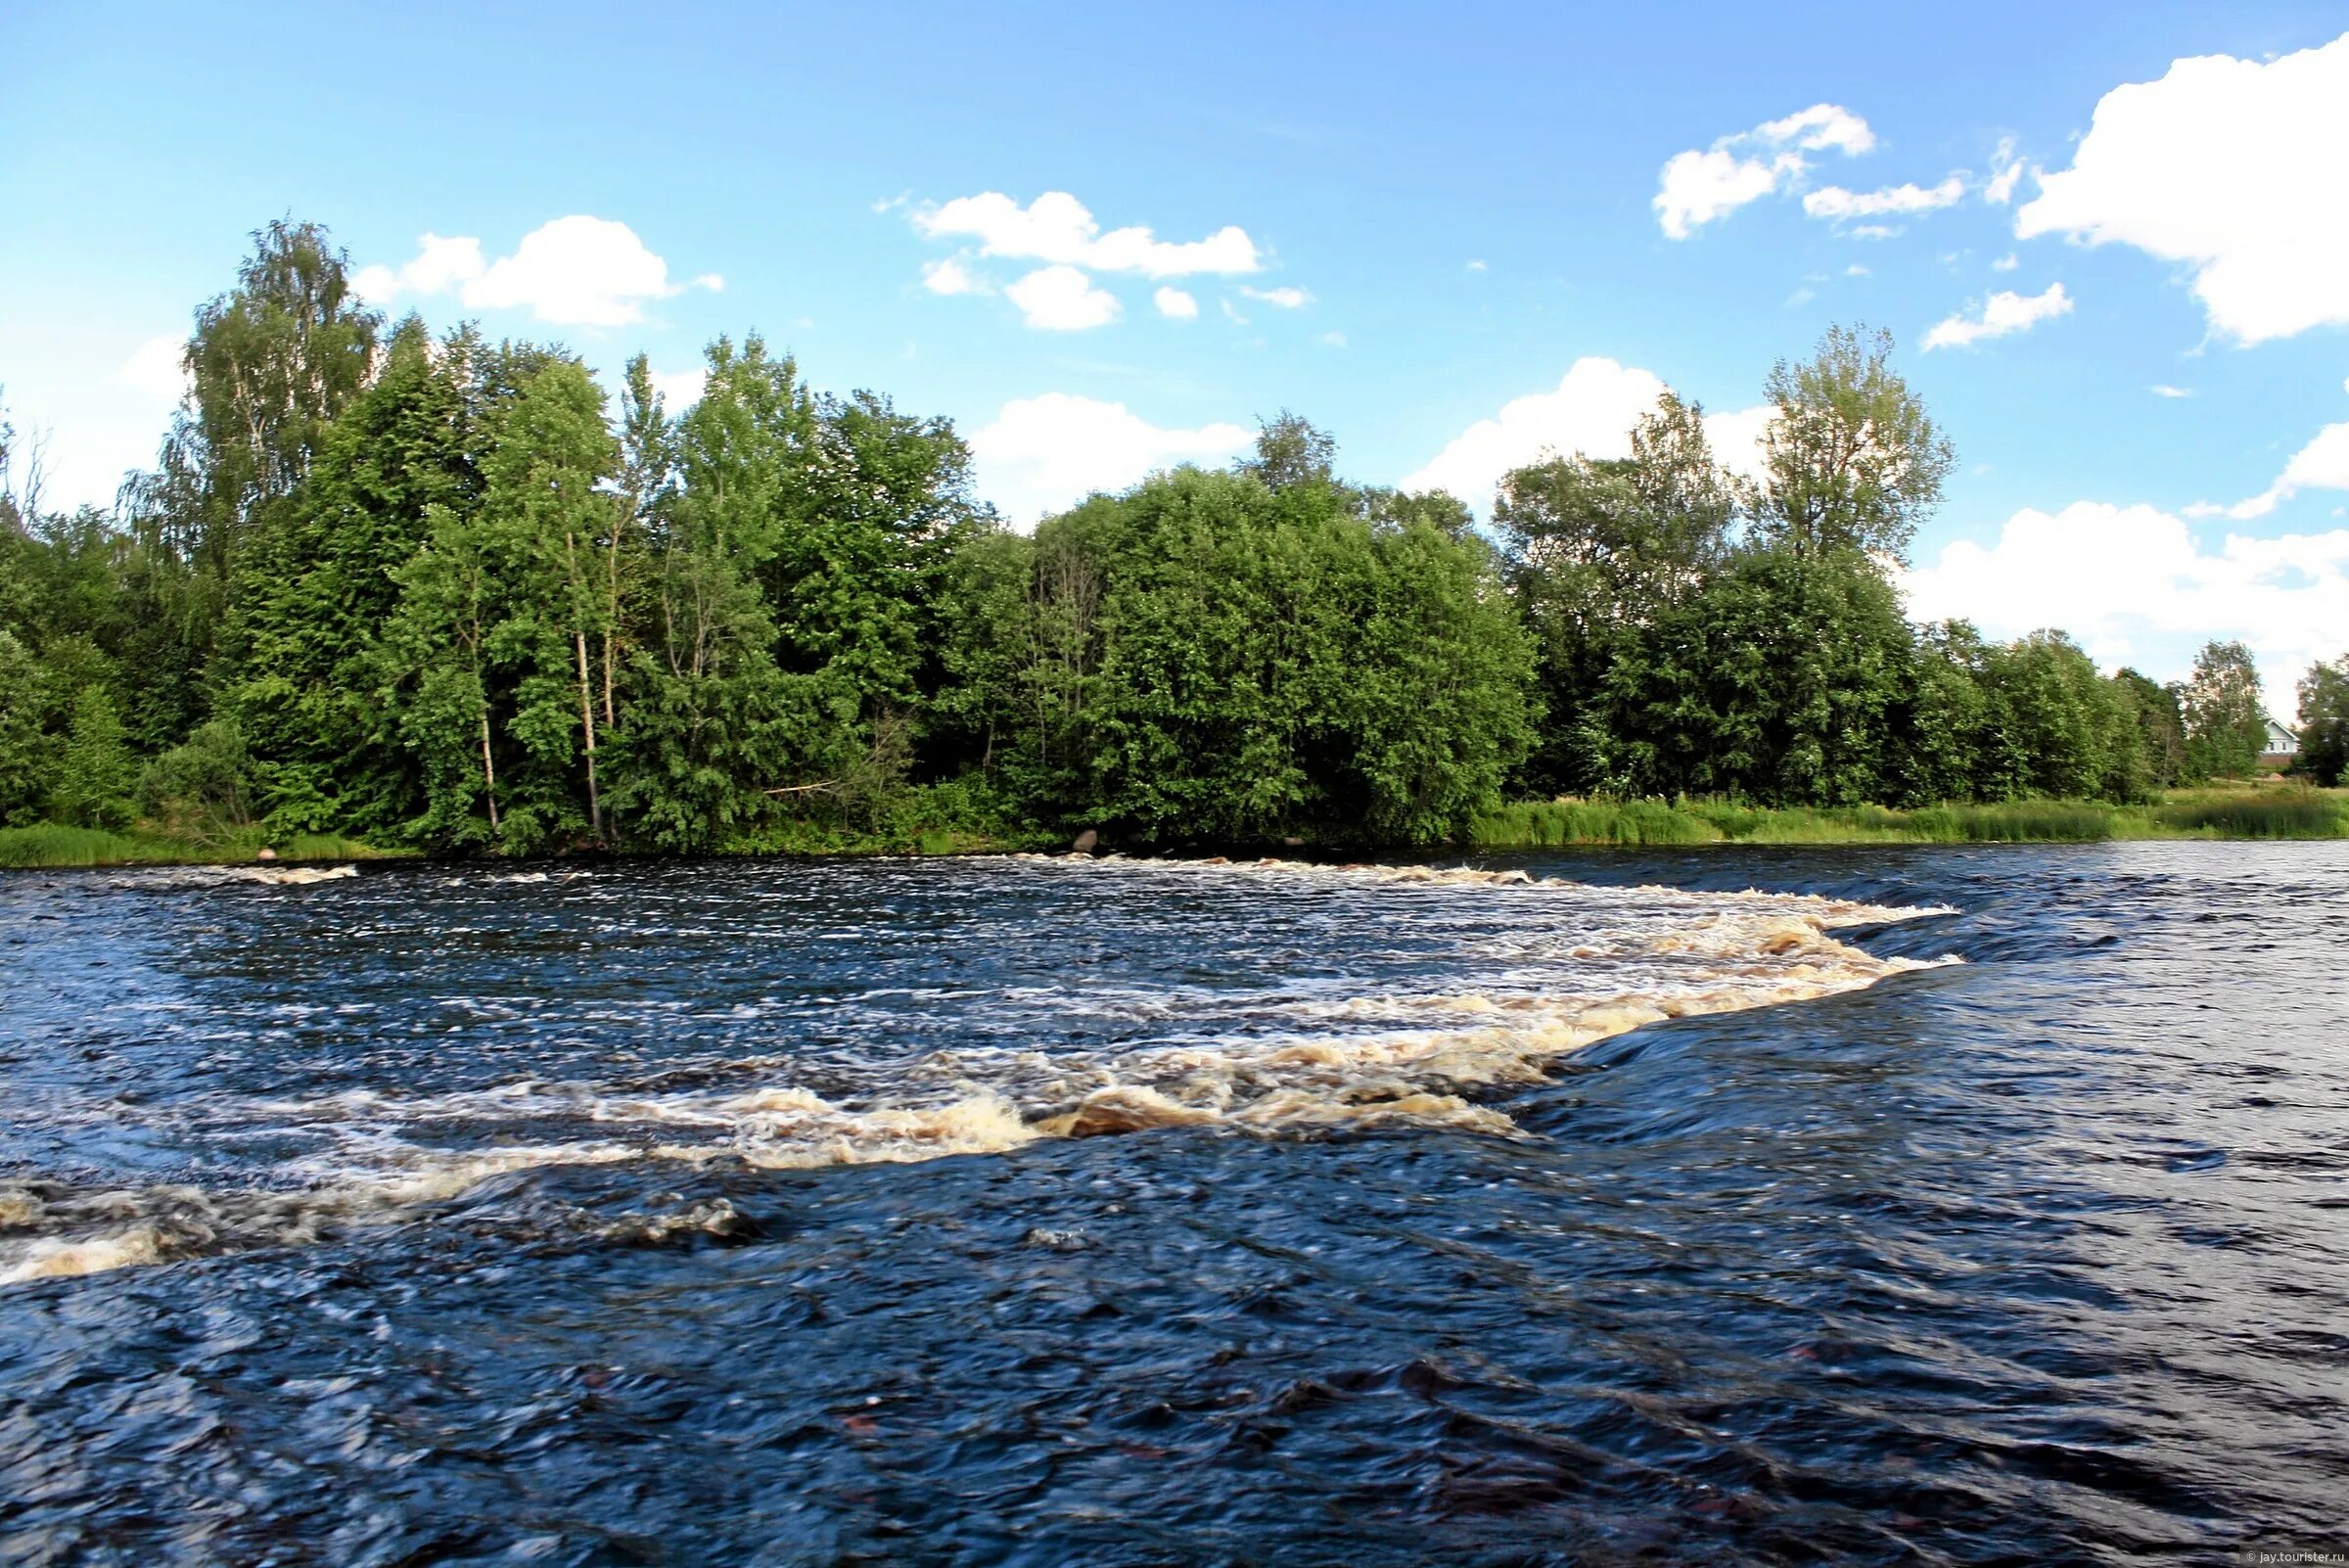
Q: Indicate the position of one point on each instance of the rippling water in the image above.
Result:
(1968, 1206)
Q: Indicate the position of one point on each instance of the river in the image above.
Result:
(1929, 1205)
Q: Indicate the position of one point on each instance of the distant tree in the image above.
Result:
(1597, 550)
(2225, 723)
(27, 753)
(1779, 681)
(2325, 722)
(1851, 459)
(1944, 721)
(1290, 451)
(2160, 728)
(94, 778)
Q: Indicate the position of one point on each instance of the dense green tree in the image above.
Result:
(2324, 721)
(28, 753)
(1598, 551)
(2225, 722)
(270, 365)
(715, 723)
(1852, 460)
(93, 783)
(2057, 728)
(316, 588)
(2161, 729)
(1944, 723)
(1779, 682)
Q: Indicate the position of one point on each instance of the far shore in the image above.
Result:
(2240, 811)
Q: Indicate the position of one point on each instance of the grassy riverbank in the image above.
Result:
(2276, 811)
(48, 846)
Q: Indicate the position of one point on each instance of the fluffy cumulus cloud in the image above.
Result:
(2001, 314)
(949, 276)
(1590, 411)
(2135, 587)
(2321, 464)
(1062, 298)
(576, 271)
(1698, 187)
(1042, 455)
(1058, 228)
(1175, 305)
(1834, 201)
(2235, 168)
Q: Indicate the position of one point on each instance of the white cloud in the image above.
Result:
(950, 277)
(1062, 298)
(1478, 267)
(1591, 411)
(439, 266)
(2133, 586)
(574, 271)
(1040, 455)
(1699, 187)
(2232, 166)
(1175, 305)
(1736, 435)
(680, 390)
(2007, 263)
(2160, 389)
(1855, 270)
(1058, 228)
(1281, 299)
(1834, 201)
(2001, 313)
(1333, 340)
(1818, 128)
(154, 370)
(1871, 231)
(2007, 171)
(1231, 313)
(2321, 464)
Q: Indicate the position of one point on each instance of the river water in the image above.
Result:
(1932, 1206)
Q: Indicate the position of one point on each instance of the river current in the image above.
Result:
(1928, 1206)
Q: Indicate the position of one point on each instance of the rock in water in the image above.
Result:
(1058, 1240)
(266, 853)
(1086, 842)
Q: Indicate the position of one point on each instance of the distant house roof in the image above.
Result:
(2282, 738)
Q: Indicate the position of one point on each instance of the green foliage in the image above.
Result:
(2278, 814)
(1778, 681)
(1547, 824)
(95, 776)
(201, 788)
(1852, 461)
(28, 754)
(2325, 722)
(1208, 659)
(2226, 725)
(432, 591)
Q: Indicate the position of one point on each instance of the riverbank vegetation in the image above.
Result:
(2288, 812)
(444, 596)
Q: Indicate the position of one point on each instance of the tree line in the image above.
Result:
(438, 591)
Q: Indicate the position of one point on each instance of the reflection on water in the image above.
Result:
(597, 1214)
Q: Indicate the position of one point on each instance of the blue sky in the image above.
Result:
(1447, 217)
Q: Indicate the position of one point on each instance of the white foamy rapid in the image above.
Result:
(1584, 964)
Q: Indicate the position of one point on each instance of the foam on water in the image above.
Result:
(1597, 964)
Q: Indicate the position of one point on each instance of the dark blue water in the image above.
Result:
(752, 1214)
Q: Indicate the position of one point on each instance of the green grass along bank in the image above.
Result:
(2287, 813)
(2284, 812)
